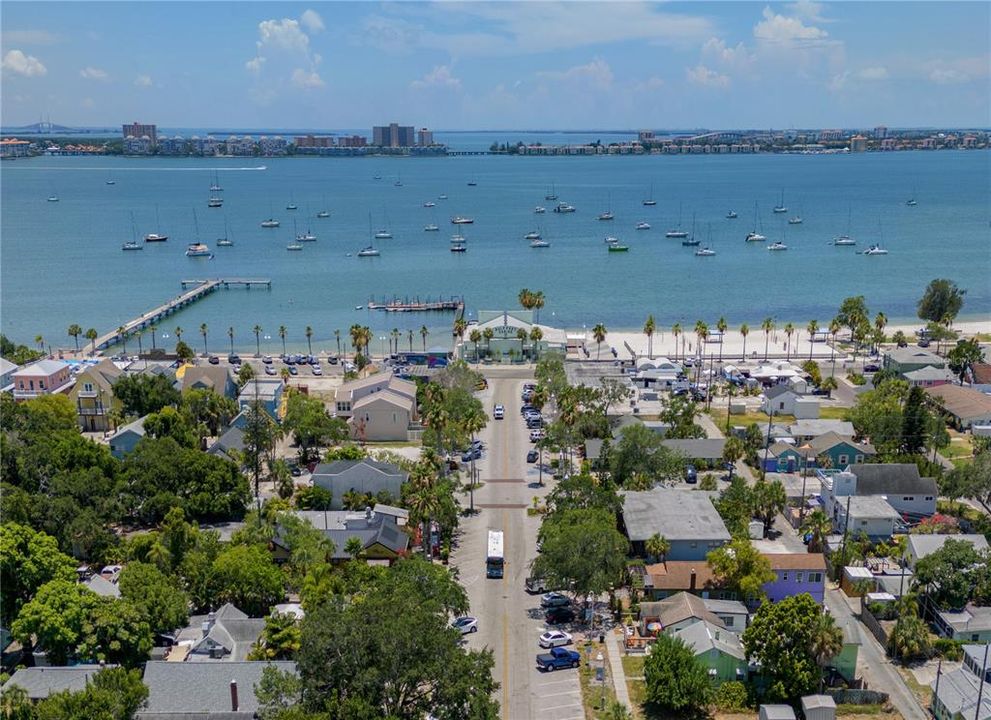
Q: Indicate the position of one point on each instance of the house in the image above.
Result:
(368, 477)
(783, 400)
(844, 663)
(707, 452)
(828, 451)
(40, 682)
(670, 577)
(732, 613)
(980, 377)
(956, 697)
(127, 438)
(7, 370)
(929, 377)
(265, 391)
(222, 691)
(208, 377)
(103, 583)
(377, 408)
(41, 378)
(717, 649)
(382, 539)
(225, 635)
(870, 515)
(965, 406)
(687, 519)
(796, 573)
(920, 546)
(232, 439)
(676, 612)
(900, 484)
(977, 659)
(659, 373)
(93, 396)
(907, 359)
(593, 446)
(971, 624)
(804, 431)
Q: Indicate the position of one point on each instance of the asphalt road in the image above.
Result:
(510, 620)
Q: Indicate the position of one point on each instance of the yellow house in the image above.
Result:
(93, 396)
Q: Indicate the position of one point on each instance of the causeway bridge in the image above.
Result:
(193, 290)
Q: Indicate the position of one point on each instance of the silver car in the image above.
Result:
(465, 624)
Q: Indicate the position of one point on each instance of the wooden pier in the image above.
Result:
(198, 289)
(454, 304)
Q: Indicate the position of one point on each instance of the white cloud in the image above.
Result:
(808, 10)
(143, 81)
(255, 64)
(838, 81)
(701, 75)
(306, 79)
(948, 76)
(738, 59)
(29, 37)
(873, 73)
(17, 63)
(785, 30)
(312, 21)
(439, 77)
(596, 73)
(92, 73)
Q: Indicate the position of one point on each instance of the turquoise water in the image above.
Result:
(62, 263)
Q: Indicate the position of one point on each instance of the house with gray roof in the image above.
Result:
(920, 546)
(900, 484)
(366, 476)
(688, 520)
(7, 370)
(210, 377)
(956, 697)
(804, 431)
(40, 682)
(977, 659)
(718, 649)
(232, 439)
(929, 377)
(784, 400)
(382, 539)
(126, 438)
(222, 691)
(379, 407)
(225, 635)
(907, 359)
(701, 451)
(971, 624)
(676, 612)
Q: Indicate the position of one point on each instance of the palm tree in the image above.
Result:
(767, 326)
(475, 336)
(122, 334)
(409, 337)
(834, 330)
(789, 331)
(880, 322)
(599, 333)
(74, 332)
(525, 299)
(473, 421)
(230, 335)
(356, 337)
(394, 338)
(284, 374)
(817, 526)
(657, 546)
(282, 335)
(337, 337)
(521, 336)
(423, 334)
(701, 332)
(178, 334)
(488, 334)
(827, 641)
(460, 325)
(257, 330)
(676, 331)
(309, 340)
(153, 329)
(92, 335)
(744, 331)
(721, 326)
(353, 547)
(203, 333)
(537, 302)
(649, 328)
(828, 384)
(812, 328)
(536, 335)
(40, 342)
(138, 334)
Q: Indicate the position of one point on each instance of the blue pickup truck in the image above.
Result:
(557, 658)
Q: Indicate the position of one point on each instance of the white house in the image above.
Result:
(869, 514)
(784, 400)
(378, 408)
(899, 484)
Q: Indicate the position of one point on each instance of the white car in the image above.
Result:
(465, 624)
(536, 435)
(498, 412)
(554, 638)
(316, 370)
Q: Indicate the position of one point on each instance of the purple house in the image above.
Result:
(797, 573)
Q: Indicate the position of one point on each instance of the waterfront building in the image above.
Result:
(646, 136)
(138, 145)
(240, 145)
(858, 143)
(352, 141)
(138, 130)
(425, 138)
(275, 145)
(93, 396)
(505, 344)
(880, 132)
(12, 147)
(173, 146)
(393, 135)
(313, 141)
(41, 378)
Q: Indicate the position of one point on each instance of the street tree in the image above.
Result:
(157, 596)
(247, 578)
(740, 566)
(676, 682)
(28, 560)
(941, 301)
(963, 356)
(767, 498)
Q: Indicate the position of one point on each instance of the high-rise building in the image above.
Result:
(352, 141)
(880, 132)
(393, 135)
(425, 138)
(137, 130)
(858, 143)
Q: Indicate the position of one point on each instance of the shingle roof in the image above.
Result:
(831, 439)
(815, 428)
(796, 561)
(202, 691)
(963, 402)
(215, 377)
(925, 545)
(982, 373)
(704, 636)
(137, 427)
(675, 514)
(776, 390)
(972, 618)
(929, 373)
(388, 396)
(914, 356)
(698, 449)
(891, 478)
(233, 439)
(42, 368)
(958, 691)
(678, 608)
(40, 682)
(677, 575)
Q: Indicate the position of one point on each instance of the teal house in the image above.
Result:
(718, 649)
(829, 450)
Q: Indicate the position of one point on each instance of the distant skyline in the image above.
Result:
(497, 65)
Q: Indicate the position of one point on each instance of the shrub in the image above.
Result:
(856, 378)
(948, 649)
(731, 696)
(708, 483)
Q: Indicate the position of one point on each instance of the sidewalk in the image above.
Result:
(615, 653)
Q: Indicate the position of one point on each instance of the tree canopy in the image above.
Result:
(941, 301)
(677, 683)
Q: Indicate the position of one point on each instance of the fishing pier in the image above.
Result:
(193, 290)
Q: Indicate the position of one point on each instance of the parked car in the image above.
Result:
(293, 370)
(233, 359)
(214, 360)
(558, 658)
(470, 454)
(349, 366)
(525, 407)
(465, 624)
(554, 599)
(267, 359)
(316, 370)
(498, 412)
(535, 585)
(558, 615)
(332, 360)
(871, 367)
(536, 435)
(554, 638)
(269, 370)
(531, 456)
(296, 471)
(691, 474)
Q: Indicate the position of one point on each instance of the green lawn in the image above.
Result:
(833, 413)
(592, 691)
(633, 665)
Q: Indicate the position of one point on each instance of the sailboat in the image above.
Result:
(53, 198)
(691, 240)
(643, 225)
(912, 202)
(197, 249)
(731, 215)
(384, 234)
(216, 183)
(291, 205)
(779, 245)
(539, 210)
(271, 222)
(650, 201)
(225, 241)
(781, 207)
(796, 219)
(539, 242)
(552, 195)
(878, 248)
(458, 243)
(132, 244)
(755, 236)
(706, 251)
(156, 236)
(304, 237)
(845, 239)
(370, 250)
(110, 180)
(607, 215)
(532, 235)
(678, 233)
(324, 213)
(399, 181)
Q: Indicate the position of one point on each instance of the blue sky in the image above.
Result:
(477, 65)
